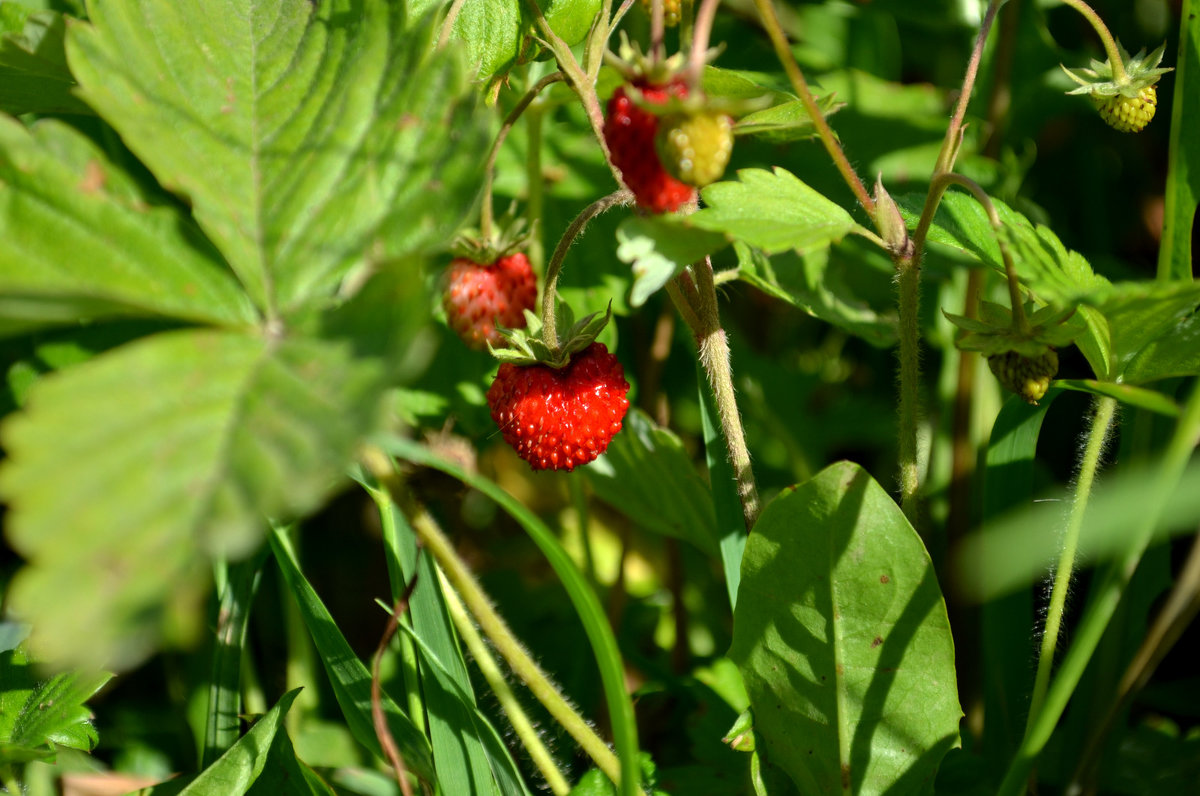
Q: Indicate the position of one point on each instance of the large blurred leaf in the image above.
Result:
(349, 677)
(302, 133)
(122, 470)
(842, 636)
(647, 475)
(772, 210)
(33, 66)
(38, 713)
(79, 241)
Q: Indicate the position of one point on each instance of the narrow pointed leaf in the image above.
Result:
(124, 471)
(79, 242)
(303, 134)
(842, 636)
(350, 678)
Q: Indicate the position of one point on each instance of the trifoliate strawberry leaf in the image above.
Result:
(38, 713)
(773, 211)
(124, 473)
(80, 241)
(306, 136)
(658, 248)
(34, 77)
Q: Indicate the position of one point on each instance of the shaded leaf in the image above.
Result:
(647, 475)
(1172, 355)
(303, 134)
(175, 445)
(773, 211)
(809, 282)
(34, 77)
(842, 636)
(80, 243)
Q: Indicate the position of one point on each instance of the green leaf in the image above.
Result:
(1144, 321)
(38, 713)
(812, 283)
(659, 247)
(122, 471)
(1127, 394)
(80, 242)
(348, 675)
(595, 623)
(303, 134)
(780, 124)
(842, 636)
(1172, 355)
(647, 475)
(237, 769)
(1183, 178)
(570, 19)
(34, 77)
(490, 33)
(773, 211)
(286, 775)
(727, 506)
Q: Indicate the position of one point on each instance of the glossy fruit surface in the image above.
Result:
(560, 418)
(695, 147)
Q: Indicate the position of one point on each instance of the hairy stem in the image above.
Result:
(1105, 598)
(953, 141)
(1089, 464)
(908, 285)
(517, 716)
(770, 21)
(506, 643)
(550, 290)
(489, 169)
(1110, 44)
(714, 356)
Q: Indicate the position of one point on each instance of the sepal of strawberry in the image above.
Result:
(1126, 98)
(528, 347)
(1023, 360)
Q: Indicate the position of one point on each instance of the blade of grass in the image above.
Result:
(224, 726)
(599, 633)
(348, 675)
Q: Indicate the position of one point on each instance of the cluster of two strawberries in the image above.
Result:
(561, 414)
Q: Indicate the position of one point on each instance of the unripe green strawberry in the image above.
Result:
(1130, 114)
(694, 147)
(1028, 377)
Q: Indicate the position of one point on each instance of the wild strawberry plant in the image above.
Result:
(286, 402)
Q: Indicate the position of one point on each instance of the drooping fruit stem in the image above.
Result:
(1110, 44)
(550, 289)
(770, 22)
(1089, 464)
(486, 216)
(517, 716)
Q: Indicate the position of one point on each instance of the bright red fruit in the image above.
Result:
(558, 418)
(479, 296)
(629, 131)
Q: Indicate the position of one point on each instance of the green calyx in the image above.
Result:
(1141, 72)
(508, 236)
(995, 332)
(528, 347)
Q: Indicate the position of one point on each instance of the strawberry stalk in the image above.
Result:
(1110, 44)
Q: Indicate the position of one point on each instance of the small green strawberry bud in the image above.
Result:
(694, 148)
(1130, 114)
(1028, 377)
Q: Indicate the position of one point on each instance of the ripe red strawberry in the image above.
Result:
(558, 418)
(478, 296)
(629, 132)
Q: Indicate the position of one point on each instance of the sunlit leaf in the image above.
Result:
(34, 77)
(842, 636)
